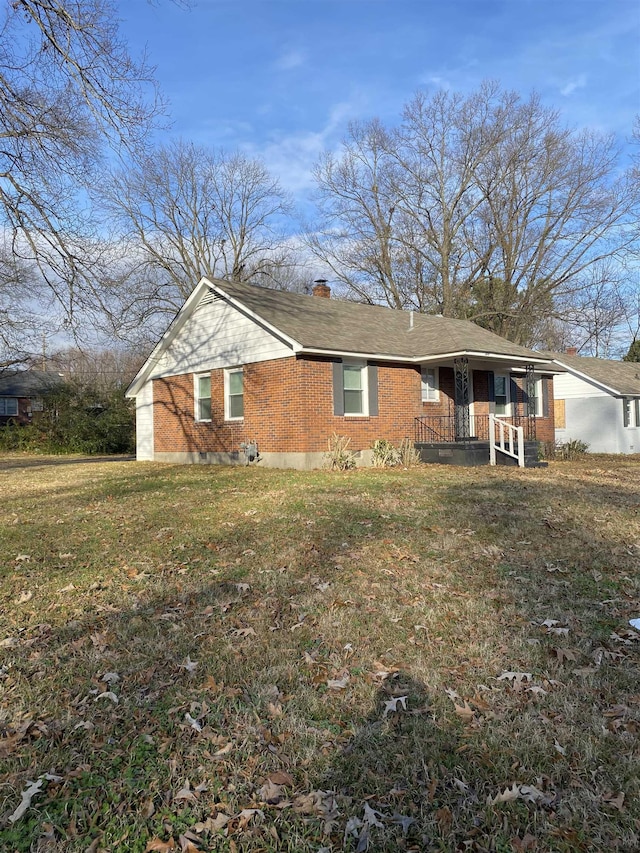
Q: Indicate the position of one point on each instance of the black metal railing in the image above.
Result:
(447, 428)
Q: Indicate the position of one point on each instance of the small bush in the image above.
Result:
(385, 455)
(338, 456)
(408, 454)
(570, 450)
(76, 420)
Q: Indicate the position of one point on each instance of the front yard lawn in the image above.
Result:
(236, 659)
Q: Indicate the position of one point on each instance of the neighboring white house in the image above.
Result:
(597, 401)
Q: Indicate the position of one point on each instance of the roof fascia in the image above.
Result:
(167, 338)
(491, 356)
(412, 359)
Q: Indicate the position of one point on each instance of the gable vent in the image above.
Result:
(210, 297)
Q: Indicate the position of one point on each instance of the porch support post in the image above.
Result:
(462, 397)
(530, 389)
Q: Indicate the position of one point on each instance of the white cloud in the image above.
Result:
(290, 60)
(438, 81)
(578, 82)
(291, 156)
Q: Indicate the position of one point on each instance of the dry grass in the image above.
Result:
(251, 660)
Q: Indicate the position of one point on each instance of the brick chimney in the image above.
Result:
(321, 288)
(572, 351)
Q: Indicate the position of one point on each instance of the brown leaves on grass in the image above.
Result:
(25, 730)
(290, 666)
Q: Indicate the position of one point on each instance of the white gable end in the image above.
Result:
(567, 386)
(218, 335)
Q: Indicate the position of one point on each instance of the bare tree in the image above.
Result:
(481, 206)
(68, 87)
(186, 211)
(356, 236)
(594, 315)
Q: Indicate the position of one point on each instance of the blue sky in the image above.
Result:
(282, 78)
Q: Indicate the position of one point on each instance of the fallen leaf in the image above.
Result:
(516, 677)
(160, 846)
(192, 722)
(465, 711)
(279, 777)
(244, 632)
(402, 820)
(108, 694)
(186, 794)
(245, 816)
(527, 842)
(187, 845)
(271, 793)
(213, 824)
(564, 654)
(391, 705)
(371, 816)
(506, 796)
(444, 818)
(338, 683)
(25, 596)
(31, 791)
(8, 744)
(615, 800)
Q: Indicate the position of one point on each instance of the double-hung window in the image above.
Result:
(501, 393)
(8, 406)
(430, 393)
(631, 411)
(536, 395)
(234, 394)
(203, 397)
(355, 389)
(354, 379)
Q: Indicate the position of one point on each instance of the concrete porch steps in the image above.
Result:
(474, 453)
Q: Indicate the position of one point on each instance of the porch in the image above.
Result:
(465, 441)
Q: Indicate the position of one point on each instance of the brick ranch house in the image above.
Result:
(242, 364)
(21, 393)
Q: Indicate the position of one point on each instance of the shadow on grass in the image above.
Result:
(220, 657)
(13, 463)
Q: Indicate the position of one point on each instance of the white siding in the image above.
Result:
(144, 423)
(567, 387)
(594, 416)
(218, 335)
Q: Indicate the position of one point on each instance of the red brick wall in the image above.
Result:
(24, 412)
(288, 408)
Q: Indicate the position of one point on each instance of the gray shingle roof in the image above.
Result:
(27, 383)
(334, 325)
(621, 376)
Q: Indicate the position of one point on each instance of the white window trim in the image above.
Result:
(539, 401)
(632, 406)
(196, 397)
(364, 373)
(227, 373)
(436, 384)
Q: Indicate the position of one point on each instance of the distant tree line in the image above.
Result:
(482, 205)
(84, 409)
